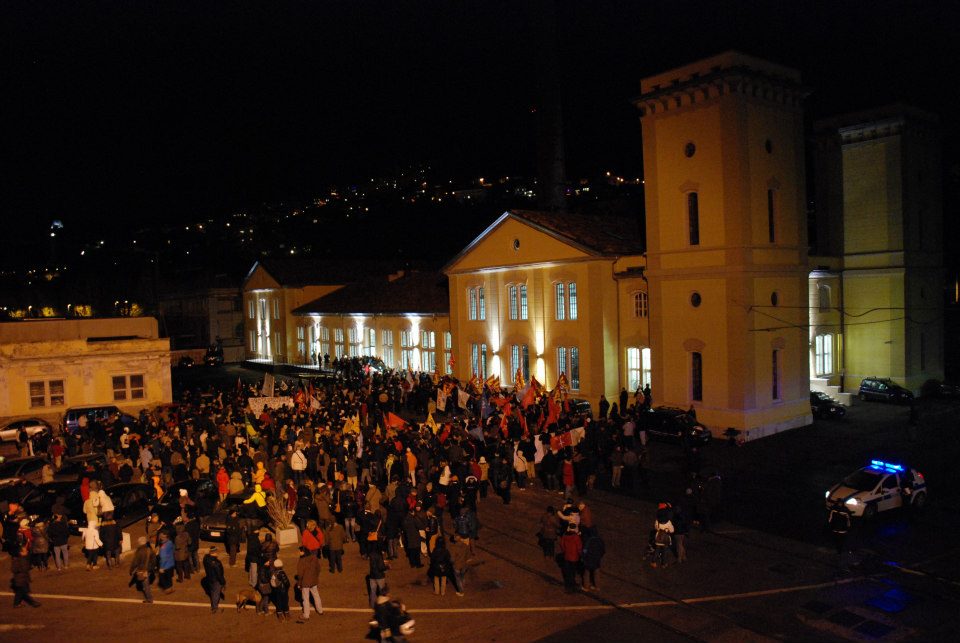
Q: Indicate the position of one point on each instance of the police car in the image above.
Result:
(878, 487)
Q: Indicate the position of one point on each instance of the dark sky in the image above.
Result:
(136, 110)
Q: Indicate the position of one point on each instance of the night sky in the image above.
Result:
(140, 110)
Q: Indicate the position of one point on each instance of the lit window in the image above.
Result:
(276, 309)
(324, 341)
(824, 295)
(354, 340)
(338, 343)
(574, 368)
(251, 309)
(823, 354)
(525, 361)
(641, 304)
(572, 294)
(561, 360)
(514, 360)
(523, 301)
(371, 348)
(387, 349)
(301, 341)
(472, 299)
(482, 303)
(561, 297)
(448, 352)
(512, 295)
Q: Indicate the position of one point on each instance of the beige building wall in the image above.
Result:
(81, 362)
(270, 328)
(510, 253)
(730, 130)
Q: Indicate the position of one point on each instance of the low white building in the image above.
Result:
(47, 366)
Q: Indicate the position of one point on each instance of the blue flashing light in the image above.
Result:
(887, 467)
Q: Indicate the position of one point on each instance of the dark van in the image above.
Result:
(102, 414)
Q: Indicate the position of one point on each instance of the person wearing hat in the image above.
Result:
(280, 590)
(141, 567)
(214, 581)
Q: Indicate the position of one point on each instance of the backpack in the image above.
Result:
(462, 525)
(280, 580)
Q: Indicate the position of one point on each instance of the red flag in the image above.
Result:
(499, 402)
(394, 421)
(530, 396)
(553, 411)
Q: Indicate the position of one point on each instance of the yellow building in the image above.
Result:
(723, 154)
(402, 318)
(271, 290)
(550, 293)
(47, 366)
(880, 225)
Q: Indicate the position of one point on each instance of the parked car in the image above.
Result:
(185, 362)
(214, 526)
(73, 467)
(29, 468)
(883, 390)
(101, 414)
(822, 406)
(879, 486)
(11, 430)
(14, 490)
(578, 405)
(39, 502)
(214, 356)
(203, 492)
(671, 424)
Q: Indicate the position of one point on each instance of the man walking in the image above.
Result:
(141, 566)
(215, 580)
(308, 573)
(20, 583)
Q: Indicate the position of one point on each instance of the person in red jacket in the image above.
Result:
(223, 483)
(571, 549)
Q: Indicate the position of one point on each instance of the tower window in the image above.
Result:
(696, 377)
(775, 372)
(693, 218)
(771, 216)
(689, 149)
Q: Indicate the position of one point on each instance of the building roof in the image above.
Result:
(598, 234)
(422, 293)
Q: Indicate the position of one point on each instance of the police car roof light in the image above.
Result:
(885, 466)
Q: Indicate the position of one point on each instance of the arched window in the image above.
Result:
(824, 294)
(641, 304)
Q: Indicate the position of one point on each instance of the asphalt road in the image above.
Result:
(766, 573)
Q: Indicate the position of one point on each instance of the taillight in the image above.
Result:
(920, 477)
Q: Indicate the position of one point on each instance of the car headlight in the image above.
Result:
(853, 502)
(828, 494)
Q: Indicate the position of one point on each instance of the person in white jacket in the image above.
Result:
(92, 545)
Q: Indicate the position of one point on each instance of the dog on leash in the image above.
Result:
(245, 596)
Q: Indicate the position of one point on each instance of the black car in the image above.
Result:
(202, 492)
(822, 406)
(883, 390)
(14, 490)
(28, 468)
(670, 424)
(185, 362)
(214, 356)
(74, 467)
(39, 502)
(132, 502)
(214, 526)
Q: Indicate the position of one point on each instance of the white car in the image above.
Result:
(34, 426)
(879, 486)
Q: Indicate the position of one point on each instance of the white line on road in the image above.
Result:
(483, 610)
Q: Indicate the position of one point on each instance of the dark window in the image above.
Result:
(525, 362)
(774, 299)
(695, 300)
(693, 218)
(696, 377)
(776, 375)
(771, 219)
(689, 149)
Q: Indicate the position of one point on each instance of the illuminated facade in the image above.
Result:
(551, 293)
(876, 291)
(723, 153)
(402, 318)
(48, 366)
(270, 293)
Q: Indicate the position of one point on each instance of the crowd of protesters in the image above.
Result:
(395, 462)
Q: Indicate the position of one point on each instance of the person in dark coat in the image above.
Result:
(20, 583)
(233, 535)
(411, 539)
(251, 561)
(214, 580)
(441, 567)
(593, 551)
(110, 536)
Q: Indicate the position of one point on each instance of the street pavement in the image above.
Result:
(766, 572)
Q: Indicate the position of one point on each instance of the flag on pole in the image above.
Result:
(441, 400)
(463, 398)
(394, 421)
(518, 382)
(432, 424)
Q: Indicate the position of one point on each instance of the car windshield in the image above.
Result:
(821, 396)
(862, 480)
